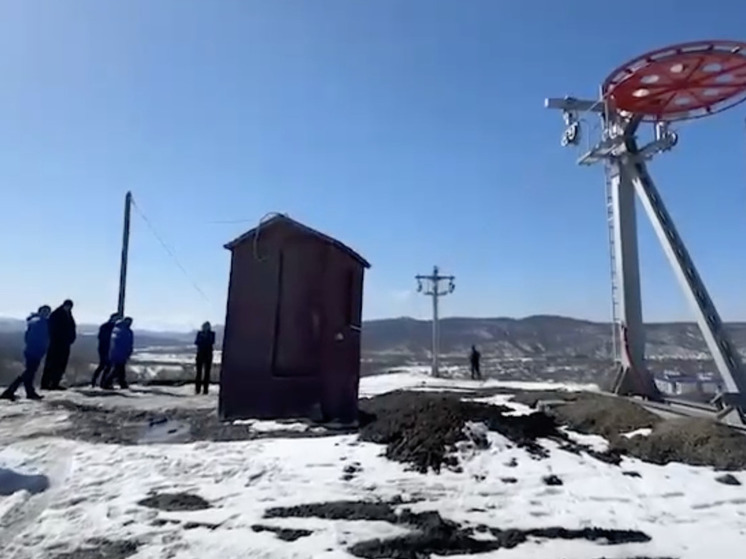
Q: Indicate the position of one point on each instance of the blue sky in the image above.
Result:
(412, 130)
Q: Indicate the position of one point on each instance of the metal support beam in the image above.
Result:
(572, 104)
(634, 377)
(721, 347)
(627, 261)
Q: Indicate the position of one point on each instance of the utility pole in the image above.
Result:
(433, 290)
(125, 253)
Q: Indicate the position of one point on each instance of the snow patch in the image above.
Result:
(644, 432)
(269, 426)
(594, 442)
(418, 378)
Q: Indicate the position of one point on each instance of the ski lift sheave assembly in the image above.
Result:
(677, 83)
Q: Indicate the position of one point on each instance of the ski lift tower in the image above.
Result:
(681, 82)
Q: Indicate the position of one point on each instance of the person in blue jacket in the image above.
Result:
(122, 346)
(36, 345)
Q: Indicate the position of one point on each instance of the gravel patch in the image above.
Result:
(430, 534)
(421, 428)
(175, 502)
(130, 426)
(693, 441)
(285, 534)
(595, 414)
(96, 548)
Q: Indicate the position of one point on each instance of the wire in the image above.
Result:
(169, 251)
(264, 218)
(229, 221)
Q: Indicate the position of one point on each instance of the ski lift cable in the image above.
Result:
(169, 251)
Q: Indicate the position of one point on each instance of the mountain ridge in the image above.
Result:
(535, 336)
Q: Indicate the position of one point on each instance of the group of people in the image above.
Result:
(51, 334)
(116, 342)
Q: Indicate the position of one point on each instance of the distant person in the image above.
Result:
(120, 351)
(205, 342)
(62, 334)
(474, 359)
(104, 344)
(36, 343)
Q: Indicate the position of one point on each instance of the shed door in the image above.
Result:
(343, 359)
(298, 324)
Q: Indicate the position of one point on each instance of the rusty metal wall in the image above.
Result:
(282, 352)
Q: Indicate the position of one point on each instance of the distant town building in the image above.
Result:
(676, 383)
(710, 382)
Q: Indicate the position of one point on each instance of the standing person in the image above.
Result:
(122, 345)
(62, 334)
(205, 342)
(104, 344)
(36, 344)
(474, 358)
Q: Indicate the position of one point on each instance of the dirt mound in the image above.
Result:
(421, 428)
(596, 414)
(433, 535)
(605, 415)
(694, 441)
(532, 397)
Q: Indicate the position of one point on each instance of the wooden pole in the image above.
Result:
(125, 253)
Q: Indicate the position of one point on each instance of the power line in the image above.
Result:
(433, 290)
(170, 252)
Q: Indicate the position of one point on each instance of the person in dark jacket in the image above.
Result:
(62, 334)
(104, 344)
(205, 342)
(36, 344)
(120, 351)
(474, 359)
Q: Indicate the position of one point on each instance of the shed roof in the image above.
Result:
(284, 219)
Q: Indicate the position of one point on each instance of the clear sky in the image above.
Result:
(412, 130)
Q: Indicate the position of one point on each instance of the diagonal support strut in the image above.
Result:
(724, 352)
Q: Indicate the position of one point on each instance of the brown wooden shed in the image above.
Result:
(291, 346)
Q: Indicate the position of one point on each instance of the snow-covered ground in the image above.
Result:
(174, 356)
(94, 490)
(452, 379)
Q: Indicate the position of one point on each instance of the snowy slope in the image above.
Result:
(95, 490)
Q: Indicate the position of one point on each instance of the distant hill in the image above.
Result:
(536, 347)
(533, 337)
(11, 328)
(541, 336)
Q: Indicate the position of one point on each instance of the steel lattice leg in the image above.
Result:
(632, 378)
